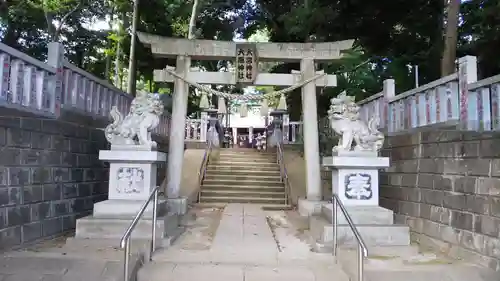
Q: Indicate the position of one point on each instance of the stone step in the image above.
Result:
(239, 193)
(243, 188)
(253, 158)
(215, 176)
(75, 243)
(255, 200)
(375, 252)
(211, 171)
(373, 235)
(243, 163)
(242, 182)
(107, 228)
(360, 214)
(386, 252)
(245, 152)
(277, 207)
(268, 207)
(236, 167)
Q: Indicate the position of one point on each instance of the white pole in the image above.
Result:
(416, 76)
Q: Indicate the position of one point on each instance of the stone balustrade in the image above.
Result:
(457, 99)
(44, 89)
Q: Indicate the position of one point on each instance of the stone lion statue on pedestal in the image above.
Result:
(345, 121)
(136, 127)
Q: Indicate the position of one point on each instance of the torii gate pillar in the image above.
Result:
(311, 139)
(176, 138)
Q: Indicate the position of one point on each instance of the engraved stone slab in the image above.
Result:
(133, 181)
(358, 186)
(130, 180)
(132, 174)
(355, 179)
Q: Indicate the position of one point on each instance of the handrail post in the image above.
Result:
(334, 221)
(360, 262)
(362, 251)
(126, 259)
(125, 241)
(153, 228)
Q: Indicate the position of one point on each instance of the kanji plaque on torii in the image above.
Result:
(246, 63)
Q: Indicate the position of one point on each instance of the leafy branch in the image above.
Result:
(53, 8)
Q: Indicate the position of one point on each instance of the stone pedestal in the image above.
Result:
(355, 177)
(355, 181)
(132, 178)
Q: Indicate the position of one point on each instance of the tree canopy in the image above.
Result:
(391, 35)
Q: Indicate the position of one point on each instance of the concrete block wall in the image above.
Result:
(50, 175)
(445, 185)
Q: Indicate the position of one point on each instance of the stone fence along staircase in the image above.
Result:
(243, 176)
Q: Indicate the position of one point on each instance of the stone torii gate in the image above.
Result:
(245, 55)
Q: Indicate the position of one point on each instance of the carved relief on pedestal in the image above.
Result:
(130, 180)
(358, 186)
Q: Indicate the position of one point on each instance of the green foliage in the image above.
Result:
(390, 35)
(53, 6)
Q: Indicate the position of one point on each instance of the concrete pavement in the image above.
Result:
(245, 247)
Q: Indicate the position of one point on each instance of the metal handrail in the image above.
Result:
(283, 171)
(362, 249)
(203, 166)
(125, 241)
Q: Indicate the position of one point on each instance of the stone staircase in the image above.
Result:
(243, 176)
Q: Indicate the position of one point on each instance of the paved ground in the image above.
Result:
(57, 261)
(241, 242)
(245, 247)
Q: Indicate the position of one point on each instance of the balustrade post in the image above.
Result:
(388, 120)
(286, 128)
(203, 126)
(277, 134)
(467, 74)
(55, 59)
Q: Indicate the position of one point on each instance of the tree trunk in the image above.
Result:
(451, 37)
(192, 20)
(131, 85)
(55, 32)
(110, 45)
(11, 37)
(121, 30)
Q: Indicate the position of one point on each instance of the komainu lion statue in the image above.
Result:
(136, 127)
(345, 121)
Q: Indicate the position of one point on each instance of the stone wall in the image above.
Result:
(446, 186)
(50, 175)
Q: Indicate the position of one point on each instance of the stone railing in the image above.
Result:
(49, 89)
(294, 133)
(26, 84)
(193, 130)
(484, 102)
(457, 99)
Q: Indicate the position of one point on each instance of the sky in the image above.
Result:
(103, 24)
